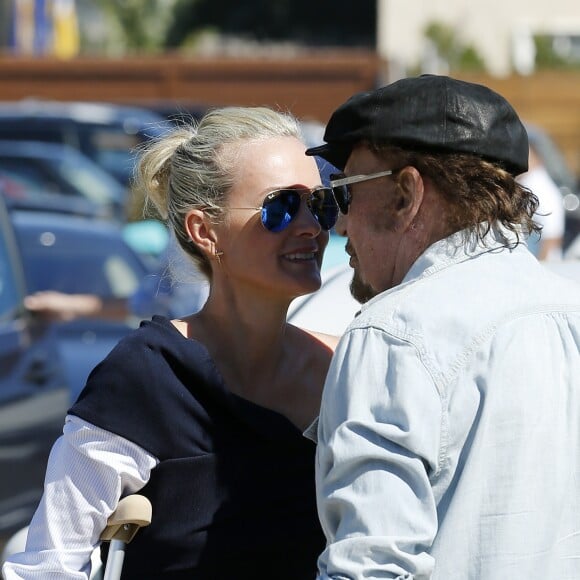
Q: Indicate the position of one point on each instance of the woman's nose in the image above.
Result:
(306, 221)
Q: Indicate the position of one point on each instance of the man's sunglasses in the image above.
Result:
(339, 184)
(280, 207)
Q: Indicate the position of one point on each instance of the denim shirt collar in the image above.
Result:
(458, 247)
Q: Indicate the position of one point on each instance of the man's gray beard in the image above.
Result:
(361, 291)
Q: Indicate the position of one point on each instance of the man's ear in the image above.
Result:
(201, 231)
(409, 195)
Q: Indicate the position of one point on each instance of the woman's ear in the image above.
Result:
(201, 231)
(408, 196)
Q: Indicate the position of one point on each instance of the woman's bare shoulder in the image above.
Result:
(328, 341)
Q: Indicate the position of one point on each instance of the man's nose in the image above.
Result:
(340, 226)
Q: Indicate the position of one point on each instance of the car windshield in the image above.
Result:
(96, 184)
(114, 150)
(75, 263)
(115, 147)
(32, 177)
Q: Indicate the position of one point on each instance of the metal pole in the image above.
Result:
(115, 560)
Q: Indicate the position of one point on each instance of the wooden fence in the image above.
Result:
(548, 99)
(310, 87)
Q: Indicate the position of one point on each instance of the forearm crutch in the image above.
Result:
(132, 513)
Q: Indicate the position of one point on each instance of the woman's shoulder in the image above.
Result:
(313, 350)
(308, 359)
(329, 340)
(317, 340)
(155, 334)
(154, 351)
(151, 374)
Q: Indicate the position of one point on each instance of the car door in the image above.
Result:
(33, 394)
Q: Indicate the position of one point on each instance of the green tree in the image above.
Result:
(140, 24)
(458, 55)
(319, 23)
(549, 58)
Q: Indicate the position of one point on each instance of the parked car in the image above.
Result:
(178, 112)
(54, 169)
(43, 364)
(19, 194)
(74, 254)
(106, 133)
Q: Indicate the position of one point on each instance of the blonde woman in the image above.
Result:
(204, 415)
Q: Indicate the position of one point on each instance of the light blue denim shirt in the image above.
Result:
(449, 434)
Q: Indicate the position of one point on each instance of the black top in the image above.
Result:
(233, 495)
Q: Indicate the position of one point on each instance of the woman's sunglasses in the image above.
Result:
(280, 207)
(340, 186)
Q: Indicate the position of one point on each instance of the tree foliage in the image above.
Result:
(450, 48)
(547, 57)
(141, 24)
(313, 23)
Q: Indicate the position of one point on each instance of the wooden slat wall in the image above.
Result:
(548, 99)
(309, 86)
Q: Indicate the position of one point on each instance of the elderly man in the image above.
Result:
(449, 434)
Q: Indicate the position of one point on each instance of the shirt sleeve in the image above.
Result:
(379, 441)
(88, 471)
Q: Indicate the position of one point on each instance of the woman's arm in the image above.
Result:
(88, 471)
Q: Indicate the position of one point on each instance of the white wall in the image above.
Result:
(490, 26)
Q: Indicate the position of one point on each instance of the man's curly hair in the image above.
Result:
(479, 193)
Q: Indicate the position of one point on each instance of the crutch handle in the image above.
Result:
(133, 512)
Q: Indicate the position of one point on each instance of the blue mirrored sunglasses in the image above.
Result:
(280, 207)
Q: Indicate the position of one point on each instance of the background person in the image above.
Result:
(449, 433)
(550, 213)
(204, 414)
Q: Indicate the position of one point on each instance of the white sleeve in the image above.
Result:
(379, 440)
(88, 471)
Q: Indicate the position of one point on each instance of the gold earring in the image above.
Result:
(217, 256)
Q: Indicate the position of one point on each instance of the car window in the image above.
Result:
(78, 263)
(120, 276)
(34, 175)
(30, 130)
(21, 184)
(71, 272)
(9, 291)
(88, 178)
(11, 276)
(112, 148)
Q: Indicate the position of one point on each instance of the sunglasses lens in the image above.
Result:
(279, 209)
(341, 194)
(323, 207)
